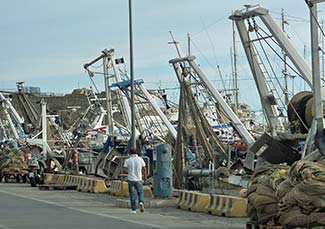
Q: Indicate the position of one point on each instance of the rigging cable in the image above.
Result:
(271, 67)
(206, 59)
(91, 74)
(310, 5)
(212, 24)
(251, 46)
(288, 66)
(281, 58)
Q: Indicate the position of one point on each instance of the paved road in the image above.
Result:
(23, 207)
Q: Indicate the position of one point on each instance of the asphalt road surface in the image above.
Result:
(23, 207)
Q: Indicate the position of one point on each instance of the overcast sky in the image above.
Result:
(45, 43)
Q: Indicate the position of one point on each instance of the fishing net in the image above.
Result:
(285, 196)
(262, 200)
(12, 161)
(303, 195)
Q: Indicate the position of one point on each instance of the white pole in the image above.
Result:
(44, 128)
(133, 143)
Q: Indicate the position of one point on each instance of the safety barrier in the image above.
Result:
(87, 184)
(193, 201)
(228, 206)
(121, 189)
(220, 205)
(84, 184)
(98, 186)
(199, 202)
(147, 192)
(60, 178)
(186, 200)
(81, 183)
(48, 178)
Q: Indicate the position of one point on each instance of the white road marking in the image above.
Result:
(79, 210)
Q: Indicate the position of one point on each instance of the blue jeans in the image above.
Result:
(135, 186)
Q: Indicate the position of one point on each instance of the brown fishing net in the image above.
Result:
(285, 196)
(304, 201)
(12, 161)
(262, 200)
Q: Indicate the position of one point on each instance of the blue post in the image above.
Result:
(163, 175)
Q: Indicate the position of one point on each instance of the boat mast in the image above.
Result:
(316, 66)
(188, 44)
(234, 67)
(108, 96)
(322, 42)
(285, 70)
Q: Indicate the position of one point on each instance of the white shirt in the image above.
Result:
(134, 164)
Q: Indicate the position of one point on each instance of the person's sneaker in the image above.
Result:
(141, 207)
(133, 212)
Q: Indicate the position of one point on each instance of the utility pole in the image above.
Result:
(133, 143)
(234, 67)
(285, 69)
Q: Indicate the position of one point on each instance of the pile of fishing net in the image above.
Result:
(12, 161)
(302, 195)
(288, 196)
(263, 204)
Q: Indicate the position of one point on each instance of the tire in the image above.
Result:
(18, 178)
(222, 172)
(41, 179)
(83, 171)
(24, 179)
(6, 178)
(32, 181)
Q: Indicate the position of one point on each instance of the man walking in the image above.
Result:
(134, 166)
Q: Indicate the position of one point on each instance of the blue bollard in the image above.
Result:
(163, 175)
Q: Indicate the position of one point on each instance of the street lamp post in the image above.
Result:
(133, 145)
